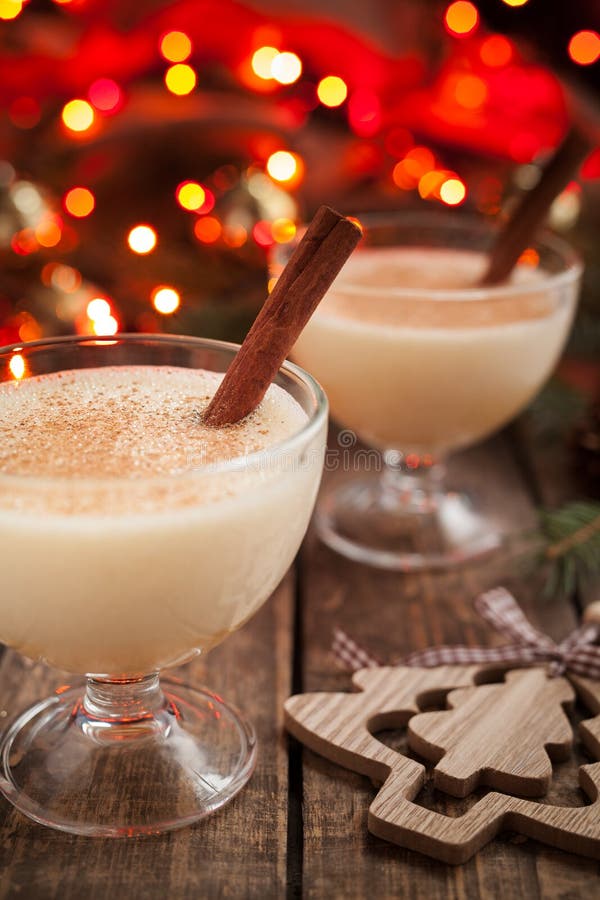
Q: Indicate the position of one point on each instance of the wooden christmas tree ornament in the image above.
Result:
(500, 735)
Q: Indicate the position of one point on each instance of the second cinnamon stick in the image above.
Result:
(327, 243)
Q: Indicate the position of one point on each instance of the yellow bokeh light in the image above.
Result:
(515, 2)
(284, 166)
(17, 366)
(283, 230)
(175, 46)
(78, 115)
(190, 195)
(79, 201)
(180, 79)
(262, 60)
(10, 9)
(286, 68)
(332, 90)
(453, 192)
(105, 325)
(584, 47)
(461, 17)
(142, 239)
(98, 309)
(165, 300)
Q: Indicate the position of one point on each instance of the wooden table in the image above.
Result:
(299, 828)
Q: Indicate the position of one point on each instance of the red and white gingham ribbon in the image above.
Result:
(577, 653)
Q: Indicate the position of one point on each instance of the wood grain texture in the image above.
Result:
(392, 615)
(238, 852)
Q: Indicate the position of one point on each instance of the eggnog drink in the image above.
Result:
(413, 356)
(129, 540)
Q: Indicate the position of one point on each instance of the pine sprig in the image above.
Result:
(572, 535)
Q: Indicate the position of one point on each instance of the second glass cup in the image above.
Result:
(418, 361)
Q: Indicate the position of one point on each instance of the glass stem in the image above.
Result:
(412, 482)
(123, 700)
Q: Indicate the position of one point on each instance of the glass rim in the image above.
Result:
(245, 462)
(445, 219)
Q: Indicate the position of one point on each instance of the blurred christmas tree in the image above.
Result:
(154, 152)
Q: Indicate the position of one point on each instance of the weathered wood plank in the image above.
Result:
(394, 614)
(238, 852)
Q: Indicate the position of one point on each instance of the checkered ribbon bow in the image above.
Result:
(577, 653)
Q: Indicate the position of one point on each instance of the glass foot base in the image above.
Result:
(402, 531)
(87, 775)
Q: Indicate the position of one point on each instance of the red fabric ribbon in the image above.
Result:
(577, 653)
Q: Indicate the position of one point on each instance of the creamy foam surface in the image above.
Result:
(367, 290)
(128, 423)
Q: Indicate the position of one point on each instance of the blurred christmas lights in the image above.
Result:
(584, 47)
(461, 18)
(165, 299)
(175, 46)
(78, 115)
(453, 192)
(285, 167)
(208, 229)
(332, 90)
(180, 79)
(286, 68)
(17, 366)
(98, 309)
(79, 202)
(10, 9)
(105, 94)
(496, 51)
(190, 195)
(262, 60)
(142, 239)
(515, 2)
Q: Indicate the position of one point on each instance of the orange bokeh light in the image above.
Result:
(496, 51)
(470, 91)
(208, 229)
(48, 233)
(332, 90)
(175, 46)
(529, 257)
(408, 172)
(584, 47)
(79, 201)
(461, 18)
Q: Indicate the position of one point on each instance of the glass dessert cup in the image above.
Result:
(146, 585)
(418, 366)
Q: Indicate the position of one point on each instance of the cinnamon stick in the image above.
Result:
(518, 233)
(325, 247)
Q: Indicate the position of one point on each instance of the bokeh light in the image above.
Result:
(105, 94)
(98, 309)
(453, 192)
(286, 68)
(17, 366)
(208, 229)
(283, 230)
(10, 9)
(470, 91)
(190, 195)
(175, 46)
(332, 90)
(165, 299)
(285, 167)
(515, 2)
(262, 233)
(461, 18)
(48, 233)
(79, 202)
(408, 172)
(180, 79)
(142, 239)
(496, 51)
(262, 60)
(78, 115)
(105, 326)
(584, 47)
(364, 112)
